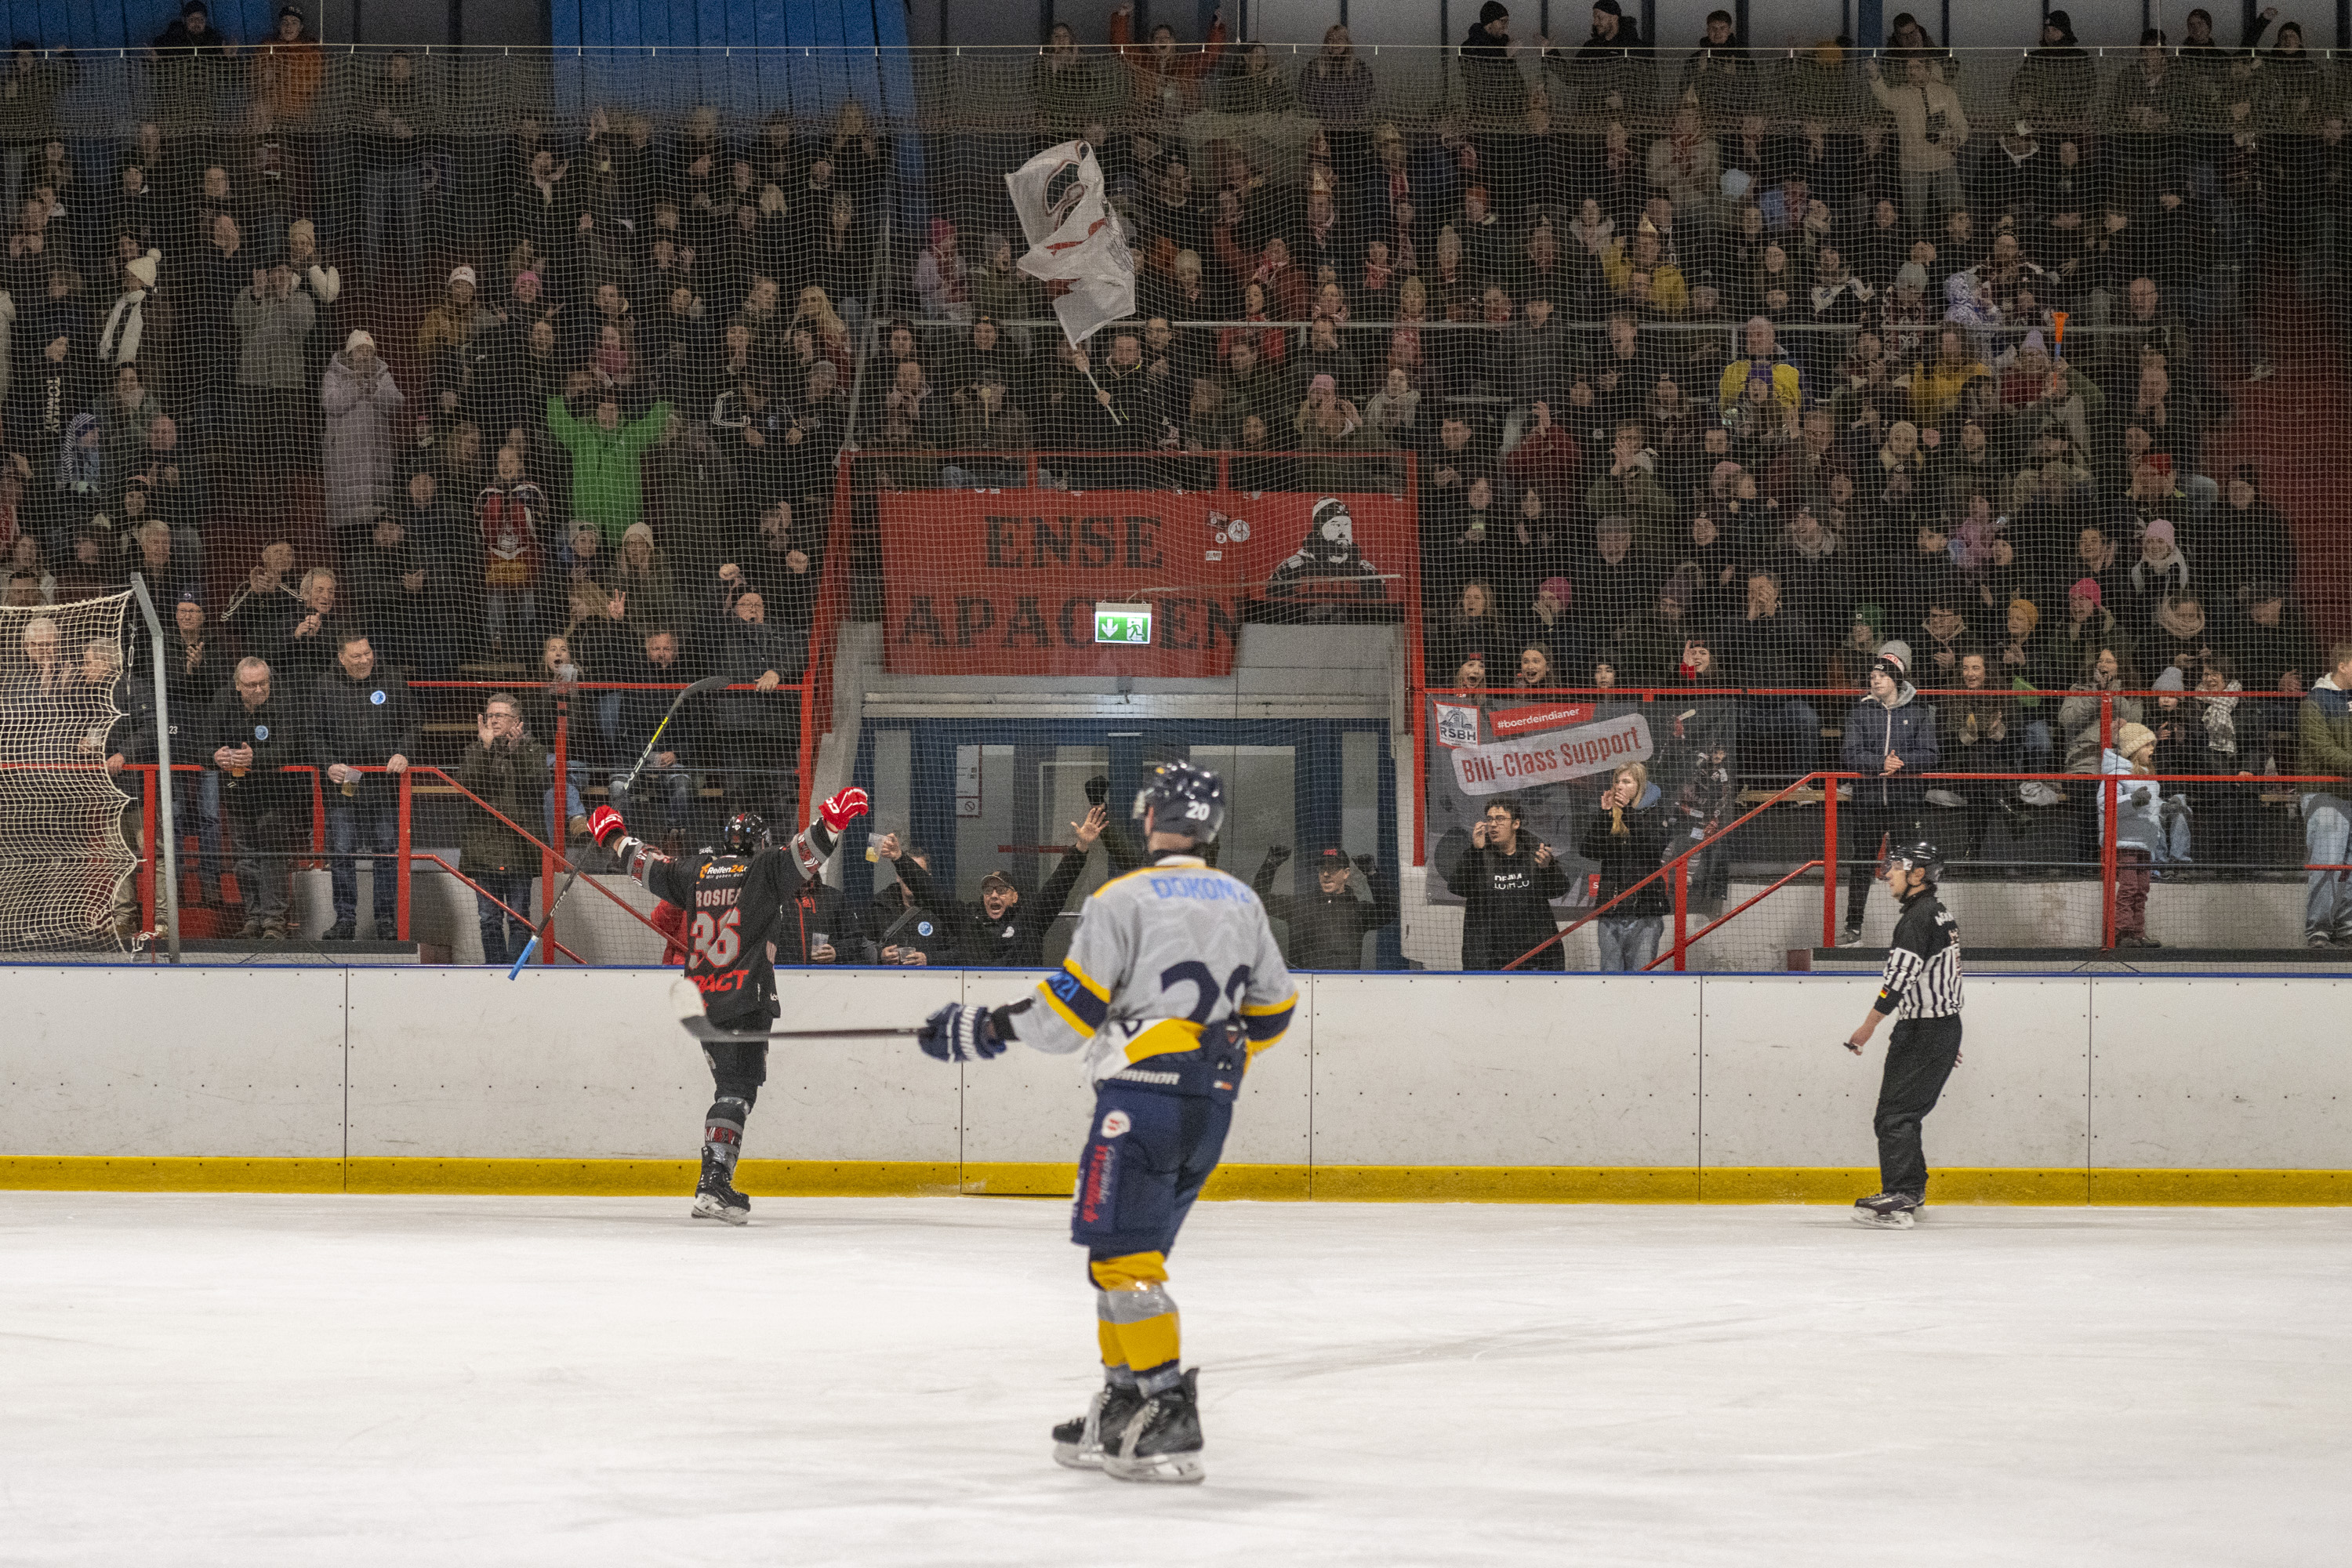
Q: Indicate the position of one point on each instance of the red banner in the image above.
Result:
(1006, 582)
(1543, 716)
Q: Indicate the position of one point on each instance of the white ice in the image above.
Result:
(324, 1381)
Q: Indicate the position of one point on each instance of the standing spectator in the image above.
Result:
(1771, 646)
(1930, 127)
(2141, 840)
(1492, 88)
(2324, 737)
(759, 730)
(361, 402)
(1890, 741)
(509, 513)
(1628, 841)
(255, 732)
(1326, 928)
(506, 771)
(363, 716)
(1506, 880)
(607, 484)
(668, 775)
(392, 150)
(273, 320)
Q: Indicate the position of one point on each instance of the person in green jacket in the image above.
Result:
(606, 487)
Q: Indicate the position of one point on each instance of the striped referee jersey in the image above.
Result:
(1922, 979)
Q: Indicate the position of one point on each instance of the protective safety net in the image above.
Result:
(1488, 419)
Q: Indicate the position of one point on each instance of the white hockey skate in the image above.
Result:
(1888, 1211)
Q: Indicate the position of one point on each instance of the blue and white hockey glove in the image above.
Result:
(959, 1034)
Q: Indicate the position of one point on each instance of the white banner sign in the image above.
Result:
(1552, 758)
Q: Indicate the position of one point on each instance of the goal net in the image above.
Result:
(64, 858)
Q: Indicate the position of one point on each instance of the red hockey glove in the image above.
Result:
(843, 809)
(605, 825)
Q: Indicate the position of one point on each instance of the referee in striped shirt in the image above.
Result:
(1922, 988)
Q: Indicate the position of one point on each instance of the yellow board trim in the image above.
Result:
(1265, 1184)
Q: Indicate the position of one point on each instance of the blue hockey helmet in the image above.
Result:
(1183, 799)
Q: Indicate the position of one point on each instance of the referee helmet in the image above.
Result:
(1920, 856)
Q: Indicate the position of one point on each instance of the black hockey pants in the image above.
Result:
(1919, 1058)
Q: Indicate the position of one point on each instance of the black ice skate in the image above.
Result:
(1162, 1441)
(716, 1198)
(1892, 1211)
(1078, 1442)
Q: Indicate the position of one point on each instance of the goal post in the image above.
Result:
(167, 852)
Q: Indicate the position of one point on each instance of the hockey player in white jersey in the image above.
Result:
(1173, 983)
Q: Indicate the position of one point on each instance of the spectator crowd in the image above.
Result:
(1721, 368)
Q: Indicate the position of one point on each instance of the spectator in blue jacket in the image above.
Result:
(1890, 740)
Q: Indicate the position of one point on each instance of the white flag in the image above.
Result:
(1074, 237)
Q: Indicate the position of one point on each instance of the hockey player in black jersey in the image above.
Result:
(1921, 987)
(738, 900)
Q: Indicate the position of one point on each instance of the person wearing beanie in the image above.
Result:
(1890, 741)
(2141, 838)
(2057, 83)
(457, 319)
(294, 66)
(362, 405)
(1492, 86)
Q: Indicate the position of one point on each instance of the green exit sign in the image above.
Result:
(1130, 624)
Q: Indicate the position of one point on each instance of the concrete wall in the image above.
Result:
(1388, 1085)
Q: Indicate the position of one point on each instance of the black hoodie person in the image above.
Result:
(1506, 880)
(2057, 82)
(1328, 926)
(1491, 83)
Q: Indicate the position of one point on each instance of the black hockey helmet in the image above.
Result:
(1183, 799)
(1918, 854)
(746, 834)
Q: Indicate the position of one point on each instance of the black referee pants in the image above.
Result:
(1919, 1058)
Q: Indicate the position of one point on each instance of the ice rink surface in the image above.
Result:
(259, 1380)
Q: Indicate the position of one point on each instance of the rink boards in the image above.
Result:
(2210, 1088)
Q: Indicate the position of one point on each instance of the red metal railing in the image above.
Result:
(1827, 861)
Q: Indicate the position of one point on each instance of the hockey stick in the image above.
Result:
(547, 927)
(704, 1029)
(688, 1001)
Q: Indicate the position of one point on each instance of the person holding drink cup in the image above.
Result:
(255, 731)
